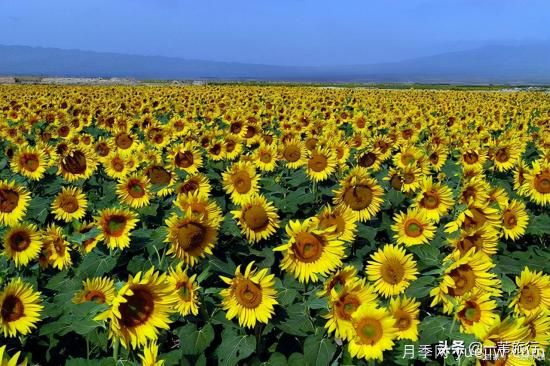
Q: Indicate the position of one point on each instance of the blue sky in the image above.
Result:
(285, 32)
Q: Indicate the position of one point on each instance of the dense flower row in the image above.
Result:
(159, 144)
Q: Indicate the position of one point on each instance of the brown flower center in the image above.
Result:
(403, 320)
(9, 200)
(367, 160)
(138, 308)
(102, 149)
(464, 279)
(292, 153)
(476, 221)
(68, 204)
(471, 157)
(502, 155)
(115, 225)
(184, 159)
(117, 164)
(530, 297)
(307, 247)
(123, 140)
(242, 181)
(256, 218)
(346, 306)
(358, 197)
(135, 188)
(248, 293)
(12, 309)
(369, 330)
(19, 240)
(74, 163)
(413, 228)
(430, 200)
(317, 162)
(542, 182)
(191, 236)
(392, 271)
(471, 313)
(509, 219)
(333, 220)
(94, 295)
(158, 175)
(29, 162)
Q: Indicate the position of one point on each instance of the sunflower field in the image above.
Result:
(272, 225)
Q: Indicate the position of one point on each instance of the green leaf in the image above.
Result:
(296, 359)
(538, 225)
(276, 359)
(421, 287)
(234, 347)
(318, 351)
(194, 341)
(434, 329)
(95, 264)
(427, 255)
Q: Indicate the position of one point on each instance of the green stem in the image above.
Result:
(115, 351)
(87, 349)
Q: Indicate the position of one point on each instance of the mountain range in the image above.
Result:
(497, 64)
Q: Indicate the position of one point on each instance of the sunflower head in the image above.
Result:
(250, 297)
(20, 308)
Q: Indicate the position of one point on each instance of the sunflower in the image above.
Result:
(69, 204)
(22, 243)
(462, 275)
(265, 157)
(434, 199)
(115, 225)
(30, 162)
(150, 355)
(370, 159)
(187, 289)
(534, 292)
(505, 155)
(310, 251)
(90, 243)
(232, 147)
(537, 181)
(499, 196)
(161, 177)
(472, 158)
(14, 201)
(240, 181)
(321, 163)
(257, 218)
(250, 296)
(506, 331)
(293, 152)
(197, 183)
(411, 178)
(341, 219)
(200, 204)
(514, 220)
(190, 236)
(391, 269)
(6, 360)
(98, 289)
(134, 190)
(343, 304)
(336, 283)
(413, 228)
(186, 157)
(20, 308)
(360, 193)
(474, 191)
(374, 332)
(405, 311)
(475, 217)
(141, 307)
(483, 239)
(117, 165)
(56, 248)
(539, 327)
(77, 163)
(476, 309)
(407, 156)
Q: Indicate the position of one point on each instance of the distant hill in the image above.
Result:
(526, 64)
